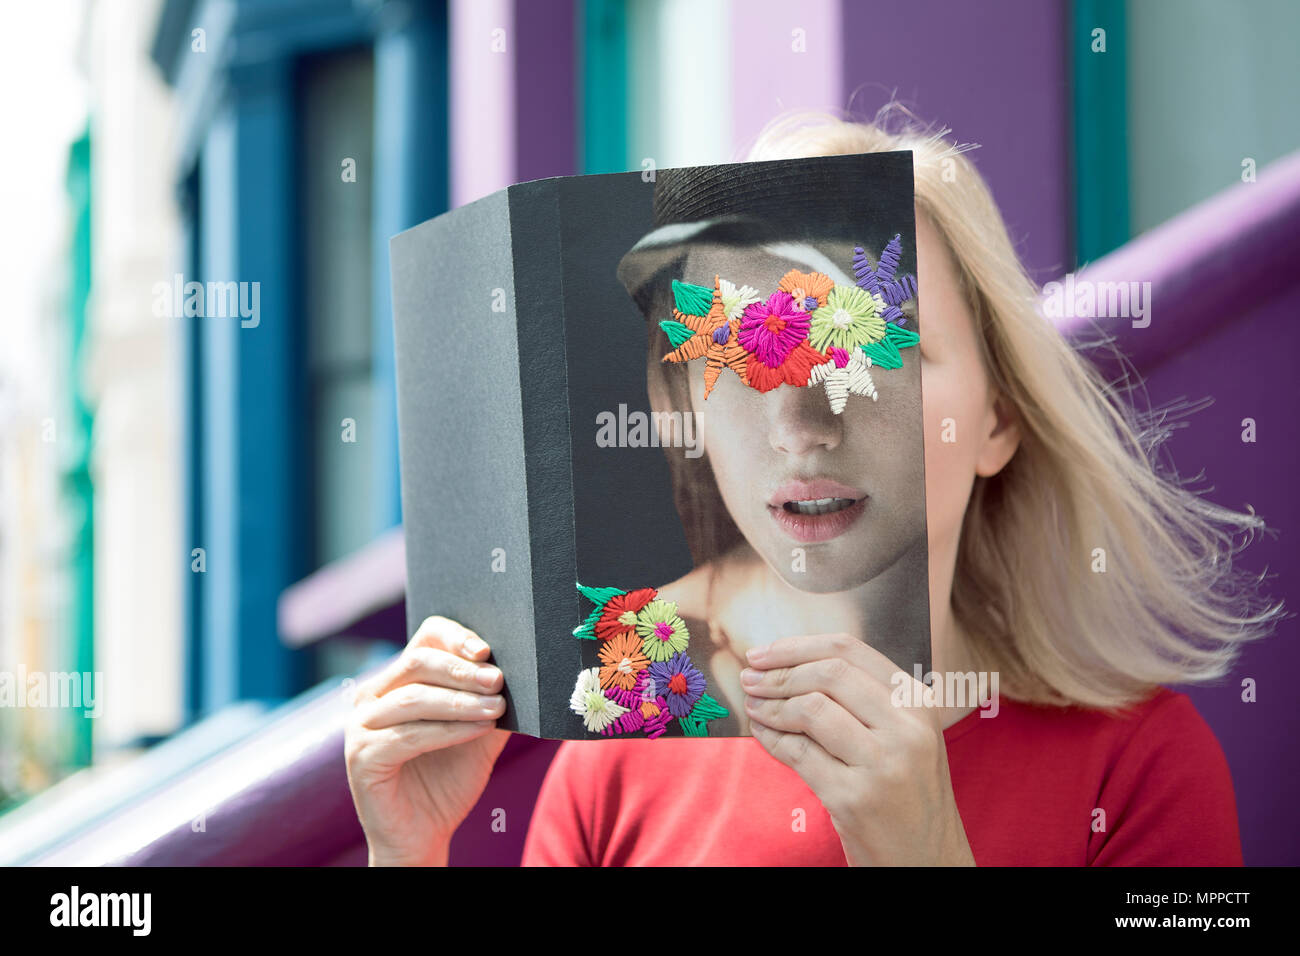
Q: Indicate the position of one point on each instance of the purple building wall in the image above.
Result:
(995, 73)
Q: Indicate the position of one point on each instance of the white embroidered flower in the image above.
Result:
(736, 300)
(852, 378)
(590, 703)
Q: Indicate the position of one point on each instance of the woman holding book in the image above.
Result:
(1088, 761)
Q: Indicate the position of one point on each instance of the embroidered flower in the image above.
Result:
(590, 703)
(881, 280)
(846, 372)
(623, 660)
(663, 633)
(619, 616)
(773, 329)
(735, 299)
(631, 721)
(808, 290)
(850, 317)
(680, 682)
(793, 371)
(712, 336)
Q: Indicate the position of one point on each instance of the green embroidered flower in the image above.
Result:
(851, 317)
(663, 633)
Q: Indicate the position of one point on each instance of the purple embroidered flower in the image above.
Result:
(681, 684)
(772, 329)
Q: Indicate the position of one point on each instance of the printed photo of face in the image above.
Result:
(829, 501)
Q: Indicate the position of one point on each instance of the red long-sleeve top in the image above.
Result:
(1028, 783)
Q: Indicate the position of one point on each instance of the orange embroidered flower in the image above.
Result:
(715, 338)
(808, 289)
(622, 661)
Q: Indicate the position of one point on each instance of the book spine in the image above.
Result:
(544, 390)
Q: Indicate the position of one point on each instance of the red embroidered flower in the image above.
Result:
(795, 370)
(619, 616)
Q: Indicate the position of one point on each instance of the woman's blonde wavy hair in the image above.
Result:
(1169, 608)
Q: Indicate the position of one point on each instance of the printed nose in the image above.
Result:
(801, 420)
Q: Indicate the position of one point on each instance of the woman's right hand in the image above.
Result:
(421, 742)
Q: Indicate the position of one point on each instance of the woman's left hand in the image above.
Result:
(824, 706)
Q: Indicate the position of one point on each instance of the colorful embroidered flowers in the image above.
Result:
(810, 331)
(645, 679)
(850, 317)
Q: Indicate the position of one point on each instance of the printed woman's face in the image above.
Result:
(779, 455)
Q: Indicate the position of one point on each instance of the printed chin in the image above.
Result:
(822, 573)
(840, 564)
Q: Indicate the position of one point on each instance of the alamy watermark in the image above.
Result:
(54, 689)
(221, 300)
(1085, 299)
(947, 689)
(640, 429)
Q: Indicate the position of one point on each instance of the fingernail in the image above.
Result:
(487, 676)
(490, 704)
(749, 676)
(755, 655)
(474, 644)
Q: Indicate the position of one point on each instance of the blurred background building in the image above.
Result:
(205, 510)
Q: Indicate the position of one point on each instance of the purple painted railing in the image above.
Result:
(1215, 263)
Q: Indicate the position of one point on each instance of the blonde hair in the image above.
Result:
(1169, 607)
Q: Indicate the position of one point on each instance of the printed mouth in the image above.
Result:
(814, 520)
(819, 506)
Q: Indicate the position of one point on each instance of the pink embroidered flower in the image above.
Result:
(773, 329)
(653, 705)
(629, 722)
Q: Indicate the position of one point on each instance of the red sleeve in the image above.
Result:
(557, 834)
(1169, 799)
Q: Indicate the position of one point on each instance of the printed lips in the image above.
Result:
(816, 510)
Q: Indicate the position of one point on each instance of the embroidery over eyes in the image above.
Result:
(809, 331)
(645, 679)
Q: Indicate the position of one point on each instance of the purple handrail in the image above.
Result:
(1224, 256)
